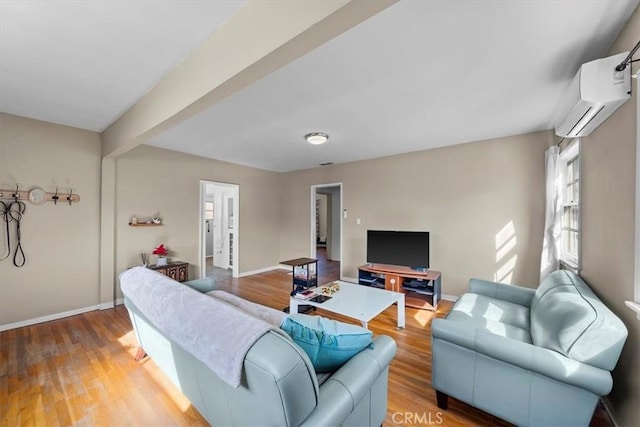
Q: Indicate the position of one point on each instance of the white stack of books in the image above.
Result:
(305, 295)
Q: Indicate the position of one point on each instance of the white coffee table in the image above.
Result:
(358, 302)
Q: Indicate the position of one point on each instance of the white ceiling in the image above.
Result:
(419, 75)
(84, 63)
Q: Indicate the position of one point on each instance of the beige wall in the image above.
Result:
(61, 242)
(463, 195)
(152, 181)
(608, 224)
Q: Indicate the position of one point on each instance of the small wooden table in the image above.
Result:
(305, 275)
(176, 270)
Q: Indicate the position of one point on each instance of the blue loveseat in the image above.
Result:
(278, 385)
(534, 357)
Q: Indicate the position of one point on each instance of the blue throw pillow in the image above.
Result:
(328, 343)
(201, 285)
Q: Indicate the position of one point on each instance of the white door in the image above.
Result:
(220, 225)
(220, 241)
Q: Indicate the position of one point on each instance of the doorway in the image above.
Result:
(326, 229)
(219, 228)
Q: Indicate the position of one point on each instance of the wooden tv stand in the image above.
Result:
(421, 289)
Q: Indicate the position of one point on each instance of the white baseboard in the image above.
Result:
(48, 318)
(349, 279)
(261, 270)
(448, 297)
(56, 316)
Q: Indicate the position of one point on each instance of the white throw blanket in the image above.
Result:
(216, 333)
(269, 315)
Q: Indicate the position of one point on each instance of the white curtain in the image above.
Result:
(553, 213)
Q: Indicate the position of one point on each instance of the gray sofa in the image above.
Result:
(278, 385)
(534, 357)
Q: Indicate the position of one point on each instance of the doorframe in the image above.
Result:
(312, 234)
(206, 198)
(202, 250)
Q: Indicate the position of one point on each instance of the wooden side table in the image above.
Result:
(176, 270)
(305, 275)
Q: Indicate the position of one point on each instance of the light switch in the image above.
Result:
(344, 214)
(358, 221)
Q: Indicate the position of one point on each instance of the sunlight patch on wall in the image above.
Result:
(504, 250)
(505, 273)
(505, 246)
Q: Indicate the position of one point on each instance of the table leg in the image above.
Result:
(293, 305)
(400, 307)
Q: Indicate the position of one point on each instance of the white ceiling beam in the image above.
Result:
(262, 37)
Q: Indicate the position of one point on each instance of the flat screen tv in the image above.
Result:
(406, 248)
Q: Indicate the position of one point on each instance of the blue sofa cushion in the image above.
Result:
(328, 343)
(201, 285)
(493, 326)
(493, 309)
(567, 317)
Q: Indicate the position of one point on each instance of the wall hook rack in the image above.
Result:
(35, 193)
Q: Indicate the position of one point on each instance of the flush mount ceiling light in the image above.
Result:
(316, 138)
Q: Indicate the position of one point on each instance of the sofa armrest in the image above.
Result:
(511, 293)
(349, 384)
(524, 355)
(201, 285)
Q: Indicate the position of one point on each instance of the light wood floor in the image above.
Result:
(81, 370)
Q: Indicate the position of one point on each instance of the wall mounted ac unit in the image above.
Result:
(595, 93)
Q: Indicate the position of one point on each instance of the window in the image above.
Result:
(570, 175)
